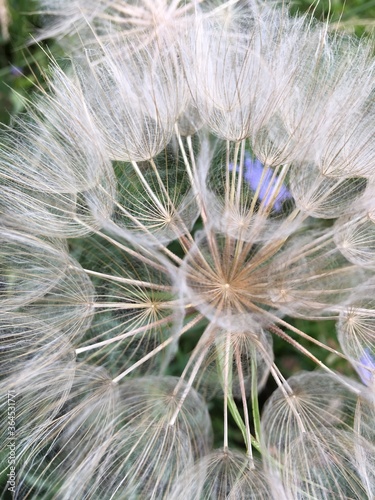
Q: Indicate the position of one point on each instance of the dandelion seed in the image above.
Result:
(144, 20)
(355, 331)
(222, 474)
(365, 439)
(308, 434)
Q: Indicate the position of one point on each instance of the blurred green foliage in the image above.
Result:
(354, 16)
(22, 62)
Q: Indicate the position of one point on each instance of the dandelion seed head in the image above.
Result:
(216, 476)
(104, 20)
(192, 188)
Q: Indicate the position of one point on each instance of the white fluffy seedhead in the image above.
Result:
(42, 280)
(231, 359)
(323, 196)
(248, 200)
(226, 74)
(216, 280)
(327, 75)
(310, 277)
(135, 310)
(365, 440)
(30, 268)
(49, 172)
(308, 402)
(68, 305)
(147, 453)
(155, 199)
(306, 427)
(356, 330)
(219, 234)
(355, 233)
(222, 474)
(148, 20)
(323, 467)
(70, 449)
(135, 95)
(37, 370)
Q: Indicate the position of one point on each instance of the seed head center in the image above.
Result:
(227, 290)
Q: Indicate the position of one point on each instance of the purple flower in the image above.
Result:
(16, 71)
(259, 178)
(367, 368)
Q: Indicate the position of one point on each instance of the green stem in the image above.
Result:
(240, 423)
(254, 397)
(232, 405)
